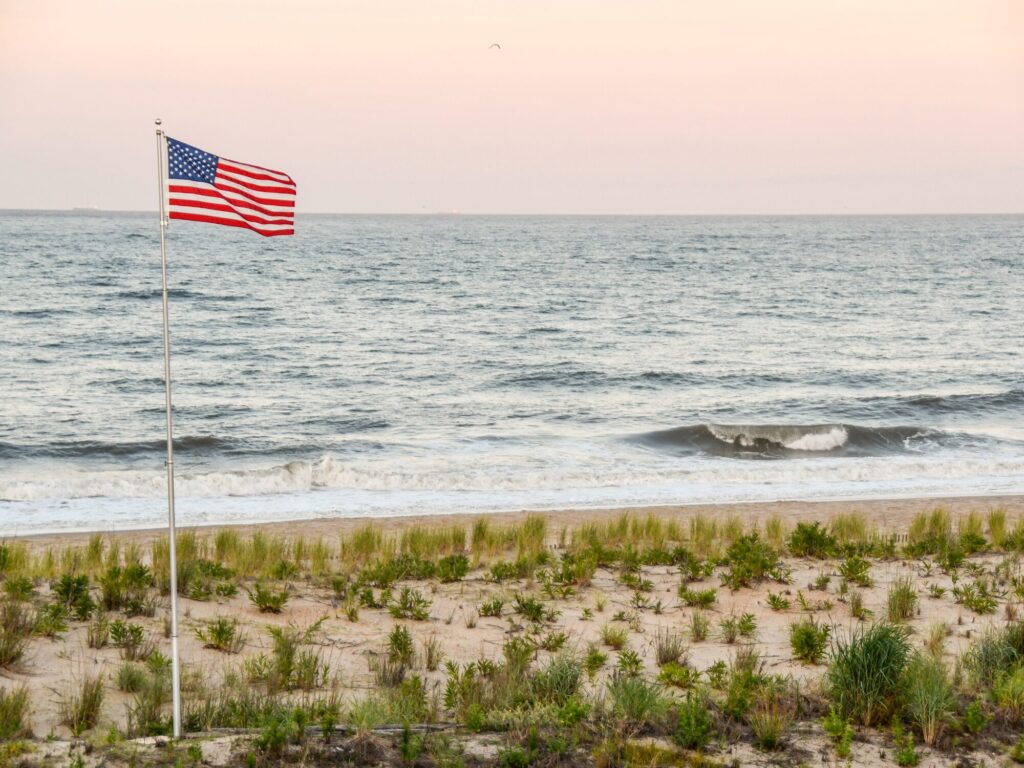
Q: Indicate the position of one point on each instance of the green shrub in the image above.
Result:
(268, 600)
(975, 718)
(72, 592)
(222, 634)
(808, 639)
(126, 588)
(400, 646)
(531, 608)
(678, 675)
(695, 727)
(750, 560)
(905, 754)
(811, 540)
(594, 660)
(866, 671)
(131, 639)
(704, 598)
(452, 568)
(20, 588)
(411, 604)
(978, 596)
(856, 570)
(778, 602)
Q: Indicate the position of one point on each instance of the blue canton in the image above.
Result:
(186, 162)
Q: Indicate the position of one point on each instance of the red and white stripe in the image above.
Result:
(241, 195)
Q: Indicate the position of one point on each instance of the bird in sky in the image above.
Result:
(494, 45)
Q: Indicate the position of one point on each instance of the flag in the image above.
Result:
(204, 187)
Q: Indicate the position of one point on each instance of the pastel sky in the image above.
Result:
(589, 106)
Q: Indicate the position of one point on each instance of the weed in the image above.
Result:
(901, 602)
(630, 662)
(905, 754)
(695, 727)
(975, 718)
(268, 600)
(614, 637)
(928, 696)
(978, 596)
(856, 570)
(678, 675)
(222, 634)
(17, 623)
(594, 660)
(770, 718)
(130, 677)
(14, 712)
(808, 639)
(698, 599)
(668, 646)
(98, 633)
(432, 653)
(778, 602)
(80, 709)
(411, 604)
(699, 626)
(492, 607)
(635, 701)
(530, 608)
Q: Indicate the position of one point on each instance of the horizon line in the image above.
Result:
(457, 213)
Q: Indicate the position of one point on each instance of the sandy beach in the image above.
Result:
(607, 613)
(887, 514)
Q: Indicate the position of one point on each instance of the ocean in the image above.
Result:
(394, 365)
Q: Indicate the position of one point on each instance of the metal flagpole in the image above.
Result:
(172, 550)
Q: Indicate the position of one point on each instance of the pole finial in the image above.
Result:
(158, 121)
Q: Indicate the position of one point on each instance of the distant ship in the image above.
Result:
(87, 208)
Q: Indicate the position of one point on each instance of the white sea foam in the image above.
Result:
(542, 471)
(795, 438)
(835, 437)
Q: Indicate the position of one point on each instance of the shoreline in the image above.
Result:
(886, 514)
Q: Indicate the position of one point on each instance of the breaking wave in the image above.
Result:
(782, 440)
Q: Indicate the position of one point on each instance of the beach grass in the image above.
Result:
(267, 605)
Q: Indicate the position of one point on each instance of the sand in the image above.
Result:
(52, 666)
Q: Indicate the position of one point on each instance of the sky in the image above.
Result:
(588, 106)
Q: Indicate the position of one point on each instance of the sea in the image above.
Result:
(397, 365)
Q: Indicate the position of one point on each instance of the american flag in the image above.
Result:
(204, 187)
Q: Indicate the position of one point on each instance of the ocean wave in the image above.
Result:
(189, 445)
(930, 407)
(452, 477)
(791, 440)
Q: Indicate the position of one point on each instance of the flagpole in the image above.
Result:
(172, 548)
